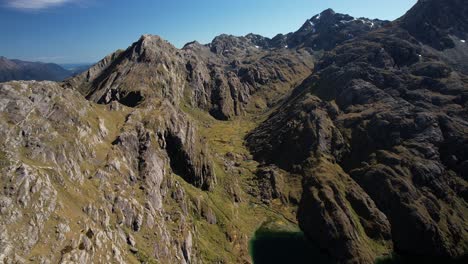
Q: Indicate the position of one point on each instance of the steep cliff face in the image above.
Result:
(387, 116)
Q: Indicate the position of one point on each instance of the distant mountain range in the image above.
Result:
(11, 69)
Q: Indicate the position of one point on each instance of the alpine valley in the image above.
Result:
(351, 134)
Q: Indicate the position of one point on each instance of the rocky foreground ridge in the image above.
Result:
(356, 129)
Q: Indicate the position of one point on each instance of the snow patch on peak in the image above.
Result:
(463, 41)
(312, 24)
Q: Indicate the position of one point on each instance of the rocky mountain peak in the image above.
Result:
(324, 15)
(328, 12)
(321, 32)
(229, 45)
(329, 17)
(328, 29)
(192, 44)
(148, 38)
(259, 40)
(151, 47)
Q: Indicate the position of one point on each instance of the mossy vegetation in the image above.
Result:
(4, 161)
(237, 222)
(144, 258)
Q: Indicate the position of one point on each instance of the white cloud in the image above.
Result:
(35, 4)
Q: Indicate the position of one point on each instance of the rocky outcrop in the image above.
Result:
(174, 133)
(340, 217)
(93, 182)
(276, 184)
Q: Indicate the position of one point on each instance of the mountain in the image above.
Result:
(328, 29)
(223, 76)
(226, 74)
(428, 21)
(352, 129)
(321, 32)
(379, 132)
(24, 70)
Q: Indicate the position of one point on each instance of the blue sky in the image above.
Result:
(75, 31)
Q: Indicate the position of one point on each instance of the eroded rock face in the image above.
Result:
(87, 179)
(175, 134)
(339, 215)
